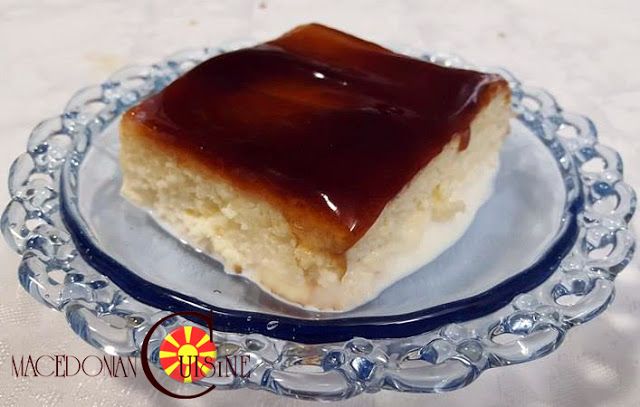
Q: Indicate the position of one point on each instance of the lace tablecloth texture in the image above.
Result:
(584, 54)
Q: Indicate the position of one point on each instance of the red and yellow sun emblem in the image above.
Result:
(187, 354)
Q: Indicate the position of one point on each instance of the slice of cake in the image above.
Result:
(322, 166)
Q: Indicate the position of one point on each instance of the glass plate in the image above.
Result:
(539, 258)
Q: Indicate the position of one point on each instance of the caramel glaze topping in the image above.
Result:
(328, 126)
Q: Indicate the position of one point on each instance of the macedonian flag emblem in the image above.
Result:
(187, 354)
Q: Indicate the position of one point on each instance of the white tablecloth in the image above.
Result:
(586, 53)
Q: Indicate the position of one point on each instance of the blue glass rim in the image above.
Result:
(577, 285)
(313, 331)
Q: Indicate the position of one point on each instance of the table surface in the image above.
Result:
(586, 53)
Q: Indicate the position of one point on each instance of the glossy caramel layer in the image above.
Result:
(325, 125)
